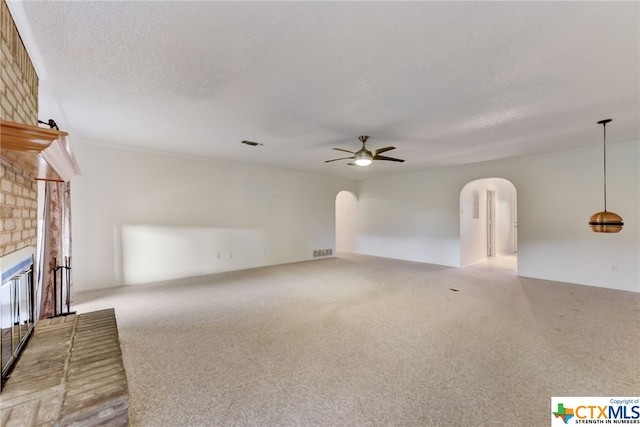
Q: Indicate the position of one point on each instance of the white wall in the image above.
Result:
(282, 216)
(416, 216)
(144, 216)
(346, 206)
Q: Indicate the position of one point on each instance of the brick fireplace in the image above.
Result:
(19, 94)
(28, 154)
(18, 193)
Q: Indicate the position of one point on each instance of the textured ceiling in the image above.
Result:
(447, 83)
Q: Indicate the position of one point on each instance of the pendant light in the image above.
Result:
(605, 222)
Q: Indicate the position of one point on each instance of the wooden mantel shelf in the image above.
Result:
(44, 154)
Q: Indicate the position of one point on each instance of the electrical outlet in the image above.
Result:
(613, 268)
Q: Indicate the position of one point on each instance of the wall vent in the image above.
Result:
(322, 252)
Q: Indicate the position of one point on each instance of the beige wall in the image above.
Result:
(18, 103)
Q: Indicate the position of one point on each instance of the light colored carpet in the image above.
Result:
(356, 340)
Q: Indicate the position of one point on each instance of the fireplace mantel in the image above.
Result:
(44, 154)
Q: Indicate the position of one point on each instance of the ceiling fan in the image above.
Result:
(364, 157)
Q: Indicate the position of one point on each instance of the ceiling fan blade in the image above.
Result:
(342, 149)
(341, 158)
(392, 159)
(382, 150)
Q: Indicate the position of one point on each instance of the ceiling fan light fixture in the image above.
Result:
(605, 222)
(363, 158)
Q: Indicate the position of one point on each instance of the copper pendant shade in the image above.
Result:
(605, 222)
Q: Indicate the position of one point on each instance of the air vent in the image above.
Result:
(252, 143)
(322, 252)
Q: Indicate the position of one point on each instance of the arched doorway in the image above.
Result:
(346, 203)
(488, 223)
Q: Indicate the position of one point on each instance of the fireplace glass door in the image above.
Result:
(16, 314)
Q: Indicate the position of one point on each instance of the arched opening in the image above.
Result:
(346, 202)
(489, 225)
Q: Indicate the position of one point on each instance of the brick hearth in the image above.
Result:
(71, 373)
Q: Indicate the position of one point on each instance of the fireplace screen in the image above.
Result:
(17, 316)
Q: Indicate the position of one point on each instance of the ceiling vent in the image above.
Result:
(251, 143)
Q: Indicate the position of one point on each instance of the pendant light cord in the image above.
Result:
(604, 157)
(604, 145)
